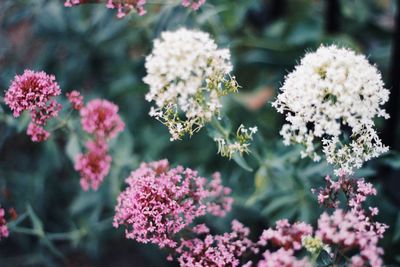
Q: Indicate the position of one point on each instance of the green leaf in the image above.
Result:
(279, 202)
(241, 162)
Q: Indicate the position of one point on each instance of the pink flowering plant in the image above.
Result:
(265, 115)
(125, 7)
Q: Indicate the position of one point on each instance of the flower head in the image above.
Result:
(100, 118)
(187, 74)
(333, 95)
(161, 201)
(34, 92)
(94, 165)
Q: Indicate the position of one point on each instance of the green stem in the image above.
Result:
(26, 231)
(217, 126)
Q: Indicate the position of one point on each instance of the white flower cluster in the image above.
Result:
(187, 74)
(332, 98)
(227, 148)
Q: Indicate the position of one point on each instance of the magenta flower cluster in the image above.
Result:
(100, 119)
(160, 202)
(124, 7)
(34, 92)
(3, 224)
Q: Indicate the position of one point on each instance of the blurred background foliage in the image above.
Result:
(90, 50)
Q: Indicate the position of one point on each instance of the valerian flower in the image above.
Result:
(94, 165)
(34, 92)
(160, 201)
(125, 7)
(187, 75)
(100, 118)
(331, 99)
(240, 143)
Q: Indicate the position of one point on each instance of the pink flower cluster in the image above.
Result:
(161, 201)
(285, 235)
(352, 231)
(34, 92)
(76, 99)
(355, 228)
(100, 119)
(281, 258)
(355, 191)
(216, 250)
(3, 224)
(282, 242)
(124, 7)
(194, 4)
(94, 165)
(160, 206)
